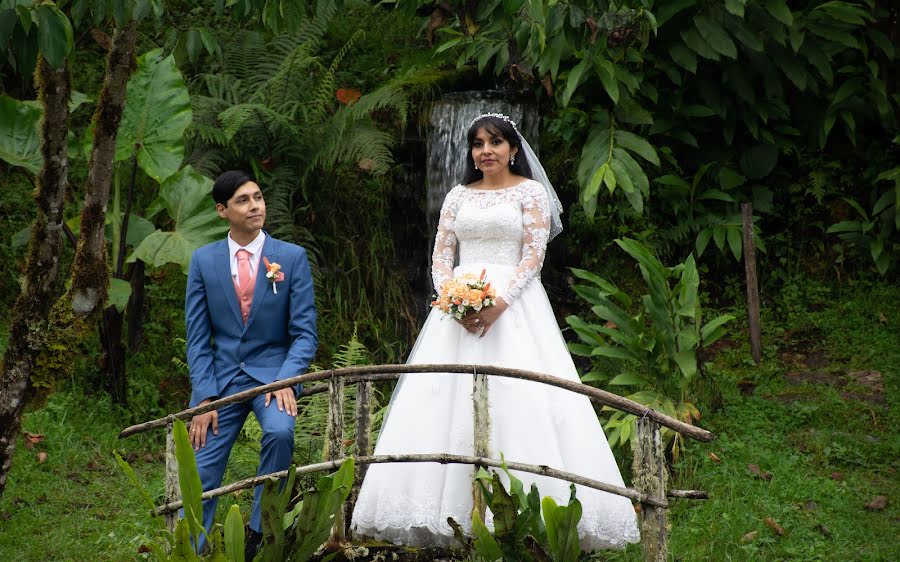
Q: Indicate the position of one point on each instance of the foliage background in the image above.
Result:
(693, 109)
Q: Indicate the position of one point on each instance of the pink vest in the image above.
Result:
(245, 298)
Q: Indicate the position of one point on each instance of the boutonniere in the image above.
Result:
(273, 273)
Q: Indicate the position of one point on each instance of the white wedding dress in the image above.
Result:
(505, 232)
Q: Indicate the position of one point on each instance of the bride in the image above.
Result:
(498, 220)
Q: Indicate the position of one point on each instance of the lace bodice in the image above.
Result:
(508, 226)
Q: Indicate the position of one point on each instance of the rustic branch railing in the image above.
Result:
(629, 493)
(649, 460)
(361, 373)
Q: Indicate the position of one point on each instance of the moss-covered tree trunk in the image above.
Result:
(90, 272)
(85, 301)
(32, 308)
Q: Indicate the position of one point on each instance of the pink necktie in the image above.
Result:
(243, 257)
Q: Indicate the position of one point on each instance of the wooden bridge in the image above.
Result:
(650, 475)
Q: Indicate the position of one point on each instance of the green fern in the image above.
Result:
(270, 105)
(352, 353)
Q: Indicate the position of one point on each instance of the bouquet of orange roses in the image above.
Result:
(466, 293)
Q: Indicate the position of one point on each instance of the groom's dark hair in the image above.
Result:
(227, 183)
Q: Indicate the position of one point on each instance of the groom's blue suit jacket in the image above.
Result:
(279, 339)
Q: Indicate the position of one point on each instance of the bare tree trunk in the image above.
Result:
(112, 348)
(135, 310)
(112, 354)
(752, 283)
(32, 308)
(90, 271)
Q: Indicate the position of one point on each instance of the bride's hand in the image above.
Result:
(484, 319)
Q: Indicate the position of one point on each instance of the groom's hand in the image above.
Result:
(285, 400)
(200, 425)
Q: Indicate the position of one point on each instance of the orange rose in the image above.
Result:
(444, 288)
(474, 297)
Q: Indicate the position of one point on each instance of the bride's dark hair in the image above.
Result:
(501, 128)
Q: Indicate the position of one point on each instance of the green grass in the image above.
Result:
(801, 434)
(78, 504)
(81, 504)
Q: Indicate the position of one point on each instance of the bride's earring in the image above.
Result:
(476, 166)
(512, 160)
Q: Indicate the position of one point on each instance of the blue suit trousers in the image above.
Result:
(276, 447)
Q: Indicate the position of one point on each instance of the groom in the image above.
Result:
(244, 330)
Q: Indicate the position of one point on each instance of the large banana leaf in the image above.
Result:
(157, 112)
(186, 196)
(19, 142)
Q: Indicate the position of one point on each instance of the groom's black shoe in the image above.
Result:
(252, 544)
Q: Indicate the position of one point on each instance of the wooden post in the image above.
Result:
(752, 283)
(650, 479)
(481, 427)
(171, 481)
(363, 416)
(334, 443)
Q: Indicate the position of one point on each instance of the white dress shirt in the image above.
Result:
(255, 249)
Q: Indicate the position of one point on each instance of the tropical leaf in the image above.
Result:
(182, 549)
(626, 379)
(234, 535)
(574, 79)
(156, 116)
(637, 145)
(779, 10)
(19, 141)
(188, 480)
(684, 57)
(320, 505)
(759, 161)
(186, 196)
(713, 330)
(715, 36)
(54, 34)
(687, 363)
(119, 293)
(606, 70)
(562, 527)
(736, 7)
(138, 229)
(485, 544)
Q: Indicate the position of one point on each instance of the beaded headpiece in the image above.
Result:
(498, 116)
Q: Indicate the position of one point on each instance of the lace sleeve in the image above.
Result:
(536, 222)
(444, 255)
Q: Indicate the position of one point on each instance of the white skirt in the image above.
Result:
(409, 503)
